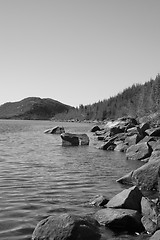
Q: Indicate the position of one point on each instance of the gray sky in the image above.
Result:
(77, 51)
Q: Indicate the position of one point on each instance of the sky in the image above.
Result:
(77, 51)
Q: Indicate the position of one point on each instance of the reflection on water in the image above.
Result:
(39, 177)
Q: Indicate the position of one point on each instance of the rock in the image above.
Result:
(139, 151)
(154, 132)
(116, 130)
(131, 140)
(99, 201)
(120, 219)
(149, 225)
(70, 139)
(146, 176)
(127, 199)
(155, 236)
(95, 128)
(55, 130)
(150, 215)
(67, 227)
(155, 155)
(132, 131)
(106, 145)
(126, 179)
(83, 139)
(120, 147)
(144, 126)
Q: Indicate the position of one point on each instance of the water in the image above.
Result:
(39, 177)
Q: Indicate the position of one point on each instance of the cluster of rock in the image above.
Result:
(127, 211)
(132, 210)
(69, 139)
(139, 141)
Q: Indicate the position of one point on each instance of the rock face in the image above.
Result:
(67, 227)
(127, 199)
(120, 219)
(55, 130)
(70, 139)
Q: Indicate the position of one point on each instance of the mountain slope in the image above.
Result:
(32, 108)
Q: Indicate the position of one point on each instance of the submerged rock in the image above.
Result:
(67, 227)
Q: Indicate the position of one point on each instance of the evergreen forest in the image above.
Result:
(136, 101)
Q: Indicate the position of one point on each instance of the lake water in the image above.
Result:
(39, 177)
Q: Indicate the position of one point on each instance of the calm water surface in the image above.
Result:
(39, 177)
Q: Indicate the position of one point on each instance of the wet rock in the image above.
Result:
(120, 219)
(55, 130)
(99, 201)
(139, 151)
(67, 227)
(70, 139)
(127, 199)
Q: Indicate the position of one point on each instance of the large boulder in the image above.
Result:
(120, 219)
(128, 199)
(67, 227)
(139, 151)
(146, 177)
(70, 139)
(55, 130)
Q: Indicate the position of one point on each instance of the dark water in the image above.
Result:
(39, 177)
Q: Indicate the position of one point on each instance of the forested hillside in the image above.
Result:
(137, 100)
(32, 108)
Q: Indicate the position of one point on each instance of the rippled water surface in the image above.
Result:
(39, 177)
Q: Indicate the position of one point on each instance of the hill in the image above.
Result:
(32, 108)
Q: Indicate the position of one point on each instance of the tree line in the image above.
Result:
(136, 101)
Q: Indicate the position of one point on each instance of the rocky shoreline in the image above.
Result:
(135, 210)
